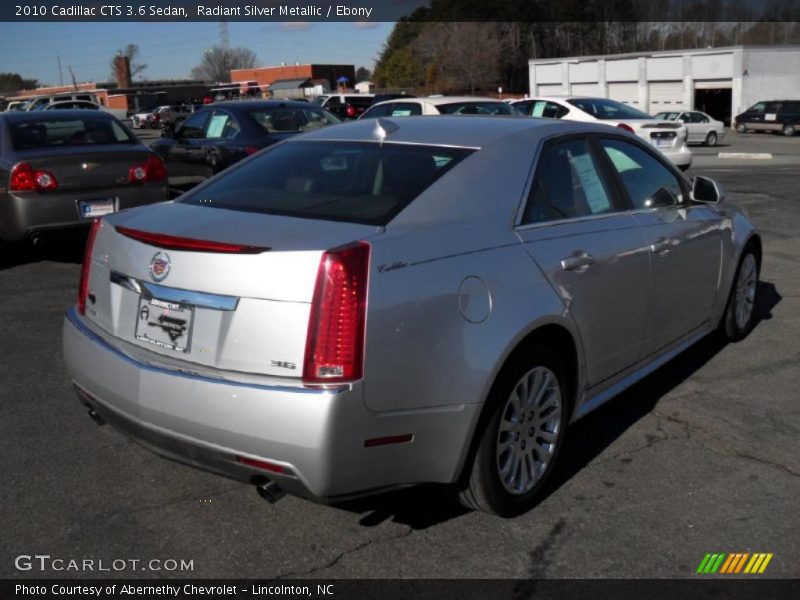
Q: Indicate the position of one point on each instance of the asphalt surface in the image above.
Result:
(702, 456)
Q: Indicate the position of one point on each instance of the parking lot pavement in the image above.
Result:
(699, 457)
(748, 147)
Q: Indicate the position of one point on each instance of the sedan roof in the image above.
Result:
(258, 104)
(468, 131)
(54, 115)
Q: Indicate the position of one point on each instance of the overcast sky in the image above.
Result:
(171, 49)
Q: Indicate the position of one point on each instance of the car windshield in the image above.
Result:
(604, 109)
(357, 182)
(475, 108)
(319, 100)
(59, 132)
(667, 116)
(285, 120)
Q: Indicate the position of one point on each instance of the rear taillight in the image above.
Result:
(25, 179)
(251, 149)
(153, 169)
(83, 287)
(350, 111)
(335, 341)
(626, 127)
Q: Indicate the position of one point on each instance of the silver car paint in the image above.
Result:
(455, 285)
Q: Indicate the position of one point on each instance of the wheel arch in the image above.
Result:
(553, 334)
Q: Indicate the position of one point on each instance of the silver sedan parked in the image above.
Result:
(390, 302)
(700, 127)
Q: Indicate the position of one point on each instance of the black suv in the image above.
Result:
(770, 115)
(346, 106)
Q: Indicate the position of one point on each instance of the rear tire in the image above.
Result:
(739, 317)
(788, 130)
(520, 437)
(711, 138)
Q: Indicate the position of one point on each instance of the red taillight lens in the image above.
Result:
(350, 110)
(174, 242)
(251, 149)
(83, 287)
(335, 341)
(626, 127)
(25, 179)
(153, 169)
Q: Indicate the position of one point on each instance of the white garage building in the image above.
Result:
(721, 81)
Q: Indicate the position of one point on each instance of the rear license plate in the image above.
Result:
(663, 143)
(91, 209)
(165, 324)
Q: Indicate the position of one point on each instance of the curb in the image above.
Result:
(758, 155)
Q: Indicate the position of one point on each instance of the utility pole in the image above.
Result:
(74, 85)
(60, 74)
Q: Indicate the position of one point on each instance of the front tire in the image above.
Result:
(711, 138)
(741, 128)
(519, 442)
(739, 318)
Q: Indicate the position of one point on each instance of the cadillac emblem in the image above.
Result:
(159, 266)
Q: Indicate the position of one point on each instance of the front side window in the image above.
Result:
(759, 107)
(568, 184)
(358, 182)
(193, 128)
(221, 126)
(650, 184)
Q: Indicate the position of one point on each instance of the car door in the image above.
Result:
(180, 152)
(684, 242)
(577, 228)
(217, 149)
(693, 127)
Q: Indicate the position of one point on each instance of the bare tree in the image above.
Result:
(131, 51)
(217, 63)
(460, 55)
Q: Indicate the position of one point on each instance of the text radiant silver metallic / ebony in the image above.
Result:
(383, 303)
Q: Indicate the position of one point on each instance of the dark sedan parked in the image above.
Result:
(63, 168)
(221, 134)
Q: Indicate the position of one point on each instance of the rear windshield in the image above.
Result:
(476, 108)
(601, 108)
(53, 133)
(292, 119)
(357, 182)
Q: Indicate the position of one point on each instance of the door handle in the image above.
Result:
(660, 246)
(579, 260)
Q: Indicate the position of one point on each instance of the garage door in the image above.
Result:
(666, 95)
(550, 89)
(585, 89)
(627, 93)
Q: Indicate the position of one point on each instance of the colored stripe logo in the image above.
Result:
(735, 562)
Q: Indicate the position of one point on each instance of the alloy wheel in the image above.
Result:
(746, 291)
(530, 425)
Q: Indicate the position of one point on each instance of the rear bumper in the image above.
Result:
(316, 435)
(24, 213)
(680, 157)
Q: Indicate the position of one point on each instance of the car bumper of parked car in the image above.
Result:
(317, 443)
(680, 157)
(25, 213)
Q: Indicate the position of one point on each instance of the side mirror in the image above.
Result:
(706, 190)
(168, 131)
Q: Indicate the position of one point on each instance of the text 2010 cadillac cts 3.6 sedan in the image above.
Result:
(393, 302)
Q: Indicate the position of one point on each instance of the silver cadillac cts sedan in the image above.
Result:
(384, 303)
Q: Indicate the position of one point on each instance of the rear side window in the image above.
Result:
(292, 119)
(568, 185)
(475, 108)
(358, 182)
(649, 183)
(51, 133)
